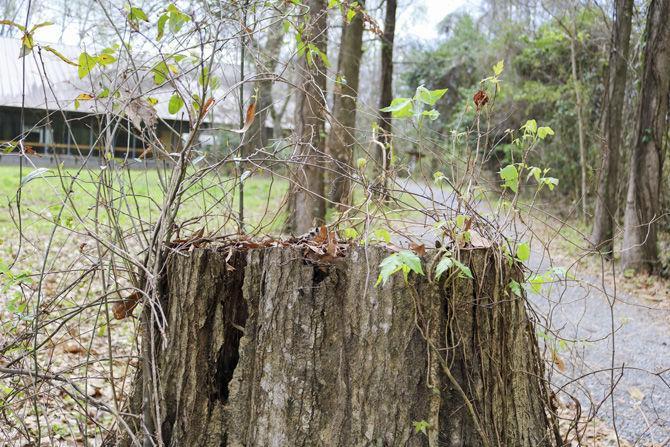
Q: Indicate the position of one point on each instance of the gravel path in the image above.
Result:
(628, 333)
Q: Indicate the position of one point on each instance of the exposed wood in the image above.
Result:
(327, 358)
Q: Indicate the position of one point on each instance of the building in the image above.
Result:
(39, 106)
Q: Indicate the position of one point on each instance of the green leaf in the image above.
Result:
(162, 20)
(543, 131)
(105, 59)
(177, 19)
(530, 127)
(14, 24)
(523, 252)
(361, 163)
(448, 262)
(534, 172)
(136, 14)
(382, 235)
(350, 233)
(498, 68)
(511, 177)
(175, 104)
(421, 427)
(351, 13)
(551, 182)
(515, 287)
(39, 172)
(445, 264)
(404, 261)
(465, 270)
(429, 97)
(86, 64)
(432, 114)
(161, 72)
(400, 108)
(27, 44)
(537, 281)
(59, 55)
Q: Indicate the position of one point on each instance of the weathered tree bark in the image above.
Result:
(342, 136)
(639, 250)
(267, 58)
(269, 349)
(307, 205)
(580, 120)
(386, 95)
(606, 198)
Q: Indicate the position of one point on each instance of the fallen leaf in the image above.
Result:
(73, 347)
(95, 393)
(322, 235)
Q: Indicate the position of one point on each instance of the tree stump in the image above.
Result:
(268, 348)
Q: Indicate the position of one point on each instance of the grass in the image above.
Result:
(133, 199)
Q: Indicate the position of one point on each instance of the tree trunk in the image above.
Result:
(606, 199)
(307, 205)
(646, 167)
(386, 96)
(343, 131)
(267, 58)
(580, 120)
(268, 348)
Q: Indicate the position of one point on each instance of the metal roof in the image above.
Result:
(53, 84)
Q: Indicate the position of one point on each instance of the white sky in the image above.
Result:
(420, 17)
(415, 17)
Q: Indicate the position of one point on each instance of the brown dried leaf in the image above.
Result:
(125, 308)
(322, 235)
(480, 99)
(558, 361)
(249, 119)
(207, 105)
(73, 347)
(140, 111)
(419, 249)
(331, 248)
(145, 154)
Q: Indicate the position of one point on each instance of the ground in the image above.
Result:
(576, 318)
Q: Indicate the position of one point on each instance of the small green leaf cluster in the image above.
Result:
(421, 427)
(310, 51)
(351, 8)
(404, 261)
(88, 62)
(407, 261)
(447, 262)
(510, 176)
(415, 107)
(174, 18)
